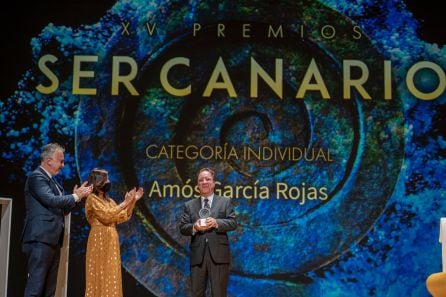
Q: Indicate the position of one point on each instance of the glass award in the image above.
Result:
(204, 213)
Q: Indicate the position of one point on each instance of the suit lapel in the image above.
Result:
(57, 189)
(214, 206)
(197, 206)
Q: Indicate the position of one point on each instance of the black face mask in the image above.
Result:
(106, 187)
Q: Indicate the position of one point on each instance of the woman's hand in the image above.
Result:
(139, 193)
(129, 196)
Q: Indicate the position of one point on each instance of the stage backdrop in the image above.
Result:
(324, 121)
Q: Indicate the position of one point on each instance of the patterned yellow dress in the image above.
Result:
(103, 260)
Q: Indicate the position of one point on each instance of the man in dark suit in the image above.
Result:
(209, 246)
(46, 206)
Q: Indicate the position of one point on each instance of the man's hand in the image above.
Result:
(210, 223)
(198, 227)
(83, 191)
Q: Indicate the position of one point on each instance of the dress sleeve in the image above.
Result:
(104, 213)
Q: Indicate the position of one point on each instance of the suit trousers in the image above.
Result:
(216, 273)
(43, 264)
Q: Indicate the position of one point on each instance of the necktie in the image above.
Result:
(206, 203)
(57, 186)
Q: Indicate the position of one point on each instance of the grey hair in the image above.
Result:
(48, 150)
(210, 170)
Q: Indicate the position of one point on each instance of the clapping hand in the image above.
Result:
(83, 190)
(139, 193)
(130, 195)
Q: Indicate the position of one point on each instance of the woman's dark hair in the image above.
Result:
(97, 178)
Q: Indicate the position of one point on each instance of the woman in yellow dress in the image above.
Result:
(103, 260)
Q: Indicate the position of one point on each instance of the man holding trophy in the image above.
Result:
(207, 220)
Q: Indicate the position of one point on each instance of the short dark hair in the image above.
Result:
(210, 170)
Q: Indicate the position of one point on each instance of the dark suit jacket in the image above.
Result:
(222, 211)
(45, 209)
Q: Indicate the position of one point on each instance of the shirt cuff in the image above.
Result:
(76, 198)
